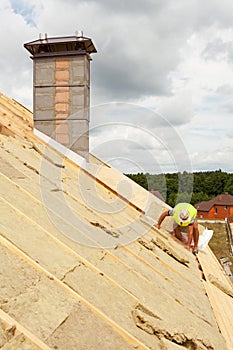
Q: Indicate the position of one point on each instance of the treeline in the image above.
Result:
(186, 187)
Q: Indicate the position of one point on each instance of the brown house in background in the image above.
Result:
(219, 208)
(158, 195)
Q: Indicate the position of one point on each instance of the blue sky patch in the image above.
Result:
(25, 9)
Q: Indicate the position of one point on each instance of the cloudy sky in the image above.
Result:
(161, 80)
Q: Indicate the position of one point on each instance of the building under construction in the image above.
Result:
(82, 265)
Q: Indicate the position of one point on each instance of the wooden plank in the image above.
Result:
(221, 303)
(123, 332)
(20, 329)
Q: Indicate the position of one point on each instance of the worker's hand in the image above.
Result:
(157, 226)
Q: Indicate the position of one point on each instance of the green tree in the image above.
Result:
(199, 197)
(215, 182)
(172, 184)
(157, 182)
(229, 184)
(179, 187)
(172, 199)
(140, 179)
(199, 182)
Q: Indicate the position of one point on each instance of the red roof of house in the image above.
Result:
(158, 195)
(222, 199)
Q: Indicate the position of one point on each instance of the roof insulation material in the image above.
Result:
(82, 266)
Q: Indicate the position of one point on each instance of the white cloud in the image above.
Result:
(173, 58)
(178, 109)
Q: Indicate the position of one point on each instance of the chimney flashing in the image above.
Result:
(73, 156)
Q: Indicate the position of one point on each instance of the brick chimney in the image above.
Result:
(61, 89)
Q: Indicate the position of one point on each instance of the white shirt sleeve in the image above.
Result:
(171, 212)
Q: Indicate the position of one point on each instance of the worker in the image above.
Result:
(184, 215)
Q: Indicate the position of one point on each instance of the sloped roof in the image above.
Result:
(82, 266)
(222, 199)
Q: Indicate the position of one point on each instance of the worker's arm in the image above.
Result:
(161, 218)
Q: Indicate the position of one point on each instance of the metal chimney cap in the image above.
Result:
(43, 36)
(60, 45)
(79, 33)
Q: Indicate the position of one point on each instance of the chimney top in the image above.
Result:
(60, 45)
